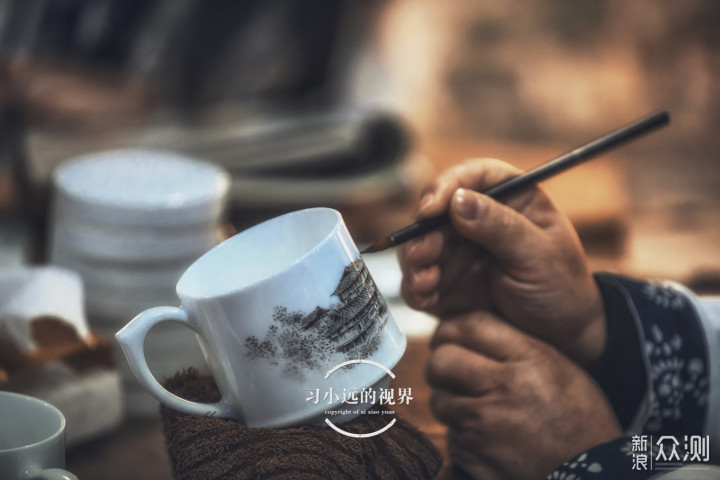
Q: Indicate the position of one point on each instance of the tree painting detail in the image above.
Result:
(347, 329)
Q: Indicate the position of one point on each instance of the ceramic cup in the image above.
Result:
(32, 439)
(276, 308)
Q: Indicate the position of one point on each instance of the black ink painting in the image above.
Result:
(347, 329)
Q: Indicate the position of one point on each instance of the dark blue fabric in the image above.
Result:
(655, 342)
(676, 352)
(612, 460)
(623, 353)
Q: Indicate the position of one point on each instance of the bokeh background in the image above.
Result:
(357, 105)
(433, 83)
(519, 81)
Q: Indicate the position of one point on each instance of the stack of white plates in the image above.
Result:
(130, 222)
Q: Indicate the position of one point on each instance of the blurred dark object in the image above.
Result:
(230, 49)
(312, 145)
(203, 447)
(342, 159)
(706, 282)
(98, 74)
(279, 161)
(21, 222)
(195, 52)
(71, 99)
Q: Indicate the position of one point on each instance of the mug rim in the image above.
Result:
(183, 294)
(42, 404)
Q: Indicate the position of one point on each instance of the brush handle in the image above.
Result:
(546, 170)
(418, 228)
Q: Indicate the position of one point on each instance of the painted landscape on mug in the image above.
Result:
(347, 329)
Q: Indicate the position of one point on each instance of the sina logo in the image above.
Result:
(349, 327)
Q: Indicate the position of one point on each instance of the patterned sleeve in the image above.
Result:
(660, 373)
(621, 459)
(675, 356)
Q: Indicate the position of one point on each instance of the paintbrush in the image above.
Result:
(543, 172)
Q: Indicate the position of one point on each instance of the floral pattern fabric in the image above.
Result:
(677, 356)
(675, 360)
(612, 460)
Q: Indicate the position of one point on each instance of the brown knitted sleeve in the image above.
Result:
(207, 448)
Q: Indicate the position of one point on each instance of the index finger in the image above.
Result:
(476, 174)
(484, 333)
(461, 371)
(479, 175)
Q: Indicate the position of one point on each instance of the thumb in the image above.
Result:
(505, 233)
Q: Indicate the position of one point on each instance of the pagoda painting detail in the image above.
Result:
(347, 329)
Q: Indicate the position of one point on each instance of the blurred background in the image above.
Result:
(357, 105)
(354, 105)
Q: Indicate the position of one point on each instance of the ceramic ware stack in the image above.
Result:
(130, 222)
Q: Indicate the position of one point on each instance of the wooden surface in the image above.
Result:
(137, 449)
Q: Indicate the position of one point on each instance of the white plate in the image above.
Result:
(141, 274)
(130, 293)
(133, 244)
(140, 187)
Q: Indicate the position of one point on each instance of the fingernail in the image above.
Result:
(465, 205)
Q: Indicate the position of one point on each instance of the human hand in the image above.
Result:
(522, 259)
(515, 407)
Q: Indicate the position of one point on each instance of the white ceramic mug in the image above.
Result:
(32, 439)
(275, 308)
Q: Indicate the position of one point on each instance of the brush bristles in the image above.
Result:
(378, 246)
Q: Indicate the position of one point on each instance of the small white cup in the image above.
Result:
(32, 439)
(276, 308)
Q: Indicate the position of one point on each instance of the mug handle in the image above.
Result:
(132, 339)
(53, 474)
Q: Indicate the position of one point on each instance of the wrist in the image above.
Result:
(590, 343)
